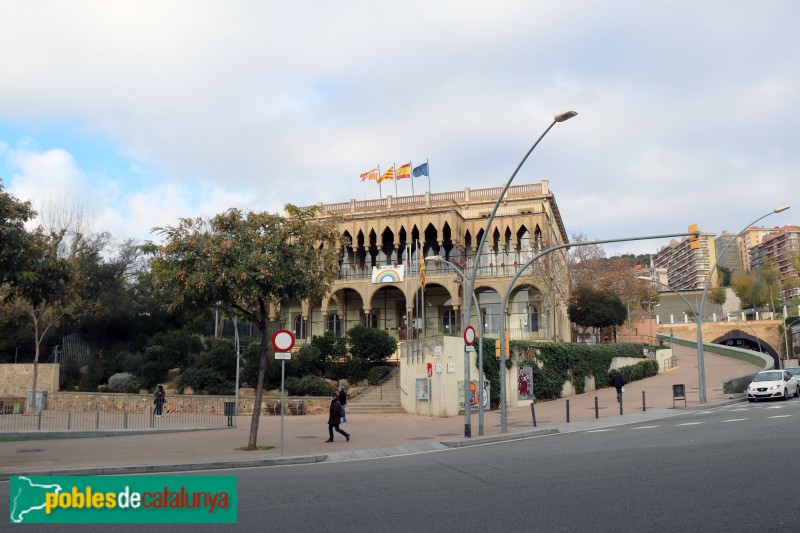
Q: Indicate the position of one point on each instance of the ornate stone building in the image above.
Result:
(378, 279)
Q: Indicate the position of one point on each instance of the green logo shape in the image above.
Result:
(123, 500)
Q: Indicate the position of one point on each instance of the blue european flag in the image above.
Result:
(421, 170)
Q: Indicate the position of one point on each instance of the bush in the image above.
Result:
(120, 382)
(377, 373)
(153, 373)
(641, 370)
(308, 386)
(371, 344)
(203, 379)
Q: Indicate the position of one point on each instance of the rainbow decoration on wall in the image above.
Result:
(388, 274)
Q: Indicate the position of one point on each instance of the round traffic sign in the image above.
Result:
(469, 335)
(283, 340)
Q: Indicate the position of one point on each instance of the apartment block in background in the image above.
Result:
(687, 268)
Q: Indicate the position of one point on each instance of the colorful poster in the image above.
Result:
(525, 383)
(473, 393)
(422, 389)
(388, 274)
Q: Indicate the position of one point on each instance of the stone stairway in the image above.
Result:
(379, 399)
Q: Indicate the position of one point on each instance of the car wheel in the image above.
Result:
(751, 400)
(785, 395)
(797, 392)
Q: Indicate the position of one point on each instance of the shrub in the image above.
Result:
(371, 344)
(153, 373)
(120, 382)
(641, 370)
(377, 373)
(308, 386)
(203, 379)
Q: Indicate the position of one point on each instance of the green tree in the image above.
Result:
(719, 296)
(749, 288)
(371, 345)
(16, 243)
(590, 308)
(247, 262)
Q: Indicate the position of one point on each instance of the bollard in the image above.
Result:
(567, 411)
(620, 402)
(533, 413)
(596, 409)
(69, 419)
(125, 417)
(39, 420)
(644, 402)
(97, 419)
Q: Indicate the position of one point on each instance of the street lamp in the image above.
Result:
(558, 118)
(629, 317)
(504, 303)
(650, 306)
(701, 366)
(465, 321)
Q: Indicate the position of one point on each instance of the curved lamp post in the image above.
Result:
(465, 321)
(558, 118)
(701, 365)
(504, 303)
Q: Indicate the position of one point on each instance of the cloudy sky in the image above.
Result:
(147, 112)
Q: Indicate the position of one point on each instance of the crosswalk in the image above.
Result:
(739, 413)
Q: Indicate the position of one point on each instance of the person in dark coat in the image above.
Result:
(343, 403)
(618, 381)
(159, 401)
(335, 417)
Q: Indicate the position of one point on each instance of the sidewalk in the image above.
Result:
(372, 435)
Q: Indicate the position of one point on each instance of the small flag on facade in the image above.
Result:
(421, 170)
(371, 175)
(388, 175)
(422, 274)
(404, 171)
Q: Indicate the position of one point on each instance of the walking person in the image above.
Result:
(159, 401)
(619, 383)
(343, 403)
(335, 418)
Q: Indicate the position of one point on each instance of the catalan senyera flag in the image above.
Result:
(388, 175)
(404, 171)
(422, 274)
(370, 175)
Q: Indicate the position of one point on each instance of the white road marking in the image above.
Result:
(599, 430)
(735, 420)
(690, 424)
(779, 416)
(646, 427)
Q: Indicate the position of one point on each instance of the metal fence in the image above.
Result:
(15, 416)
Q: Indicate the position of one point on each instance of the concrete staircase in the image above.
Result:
(383, 398)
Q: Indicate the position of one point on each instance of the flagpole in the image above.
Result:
(380, 191)
(429, 180)
(412, 178)
(395, 178)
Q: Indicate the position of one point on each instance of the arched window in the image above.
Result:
(371, 320)
(449, 322)
(299, 327)
(531, 318)
(335, 324)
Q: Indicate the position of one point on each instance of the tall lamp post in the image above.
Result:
(701, 365)
(504, 303)
(629, 318)
(465, 322)
(558, 118)
(650, 306)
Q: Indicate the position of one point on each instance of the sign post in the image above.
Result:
(283, 341)
(469, 342)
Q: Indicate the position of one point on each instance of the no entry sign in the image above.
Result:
(283, 341)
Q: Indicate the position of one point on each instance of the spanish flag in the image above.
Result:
(404, 171)
(422, 274)
(388, 175)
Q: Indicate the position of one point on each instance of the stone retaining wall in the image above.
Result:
(17, 379)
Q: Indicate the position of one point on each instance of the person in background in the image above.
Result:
(619, 382)
(335, 417)
(159, 401)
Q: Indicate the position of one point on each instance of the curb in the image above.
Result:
(477, 441)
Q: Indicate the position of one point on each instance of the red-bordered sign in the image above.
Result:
(469, 335)
(283, 340)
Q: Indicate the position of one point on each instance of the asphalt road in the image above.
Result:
(726, 469)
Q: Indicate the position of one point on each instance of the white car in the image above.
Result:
(772, 384)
